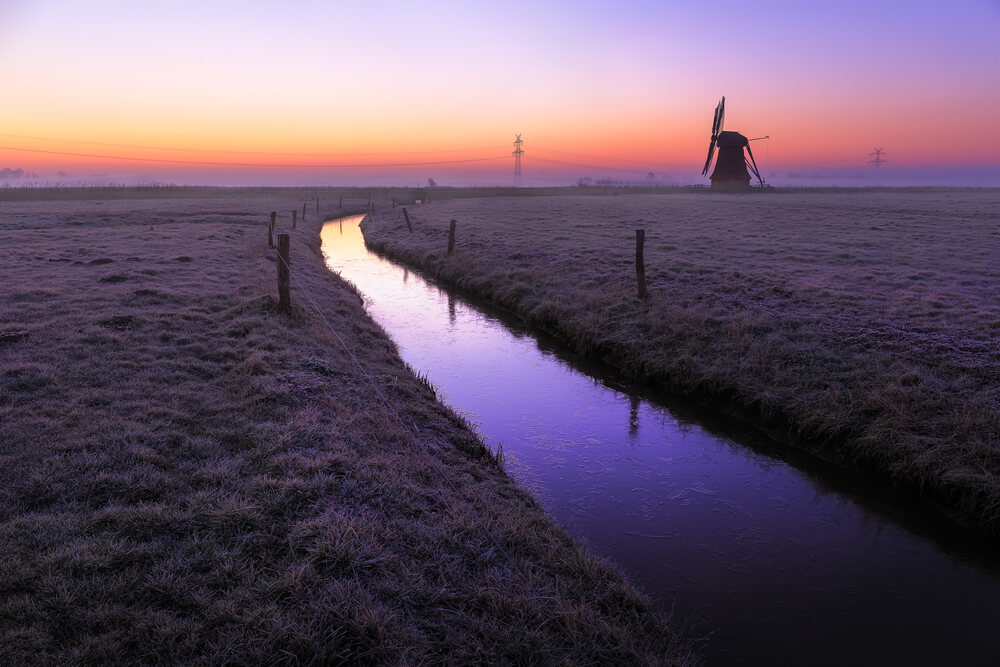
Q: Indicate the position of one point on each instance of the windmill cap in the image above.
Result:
(731, 140)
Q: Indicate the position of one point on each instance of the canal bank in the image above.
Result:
(190, 476)
(788, 560)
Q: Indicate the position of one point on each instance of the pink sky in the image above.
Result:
(596, 89)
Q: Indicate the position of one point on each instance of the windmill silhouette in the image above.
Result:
(732, 169)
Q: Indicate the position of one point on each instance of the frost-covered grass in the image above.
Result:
(865, 325)
(188, 476)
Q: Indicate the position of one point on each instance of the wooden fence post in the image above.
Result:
(270, 231)
(317, 204)
(407, 216)
(303, 211)
(284, 297)
(340, 204)
(640, 264)
(295, 214)
(451, 237)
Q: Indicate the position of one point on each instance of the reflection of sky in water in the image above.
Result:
(780, 568)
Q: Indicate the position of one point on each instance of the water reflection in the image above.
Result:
(633, 415)
(778, 565)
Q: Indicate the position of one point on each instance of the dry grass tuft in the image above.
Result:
(187, 476)
(862, 324)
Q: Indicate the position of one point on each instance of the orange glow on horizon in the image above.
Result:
(627, 139)
(181, 88)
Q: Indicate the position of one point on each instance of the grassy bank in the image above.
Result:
(188, 476)
(862, 325)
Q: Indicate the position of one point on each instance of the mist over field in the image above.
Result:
(795, 177)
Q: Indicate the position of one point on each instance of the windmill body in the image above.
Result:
(733, 166)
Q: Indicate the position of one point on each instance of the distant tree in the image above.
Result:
(431, 183)
(650, 175)
(585, 181)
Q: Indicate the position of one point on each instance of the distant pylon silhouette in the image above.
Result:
(877, 159)
(517, 159)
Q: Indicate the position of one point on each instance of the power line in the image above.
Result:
(591, 158)
(593, 166)
(250, 164)
(237, 152)
(517, 154)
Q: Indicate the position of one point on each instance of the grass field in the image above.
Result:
(863, 324)
(189, 476)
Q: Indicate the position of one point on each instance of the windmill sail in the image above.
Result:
(720, 110)
(752, 164)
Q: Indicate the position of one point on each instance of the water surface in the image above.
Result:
(777, 562)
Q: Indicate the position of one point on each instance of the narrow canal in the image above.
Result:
(776, 561)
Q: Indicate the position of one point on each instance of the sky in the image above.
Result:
(309, 92)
